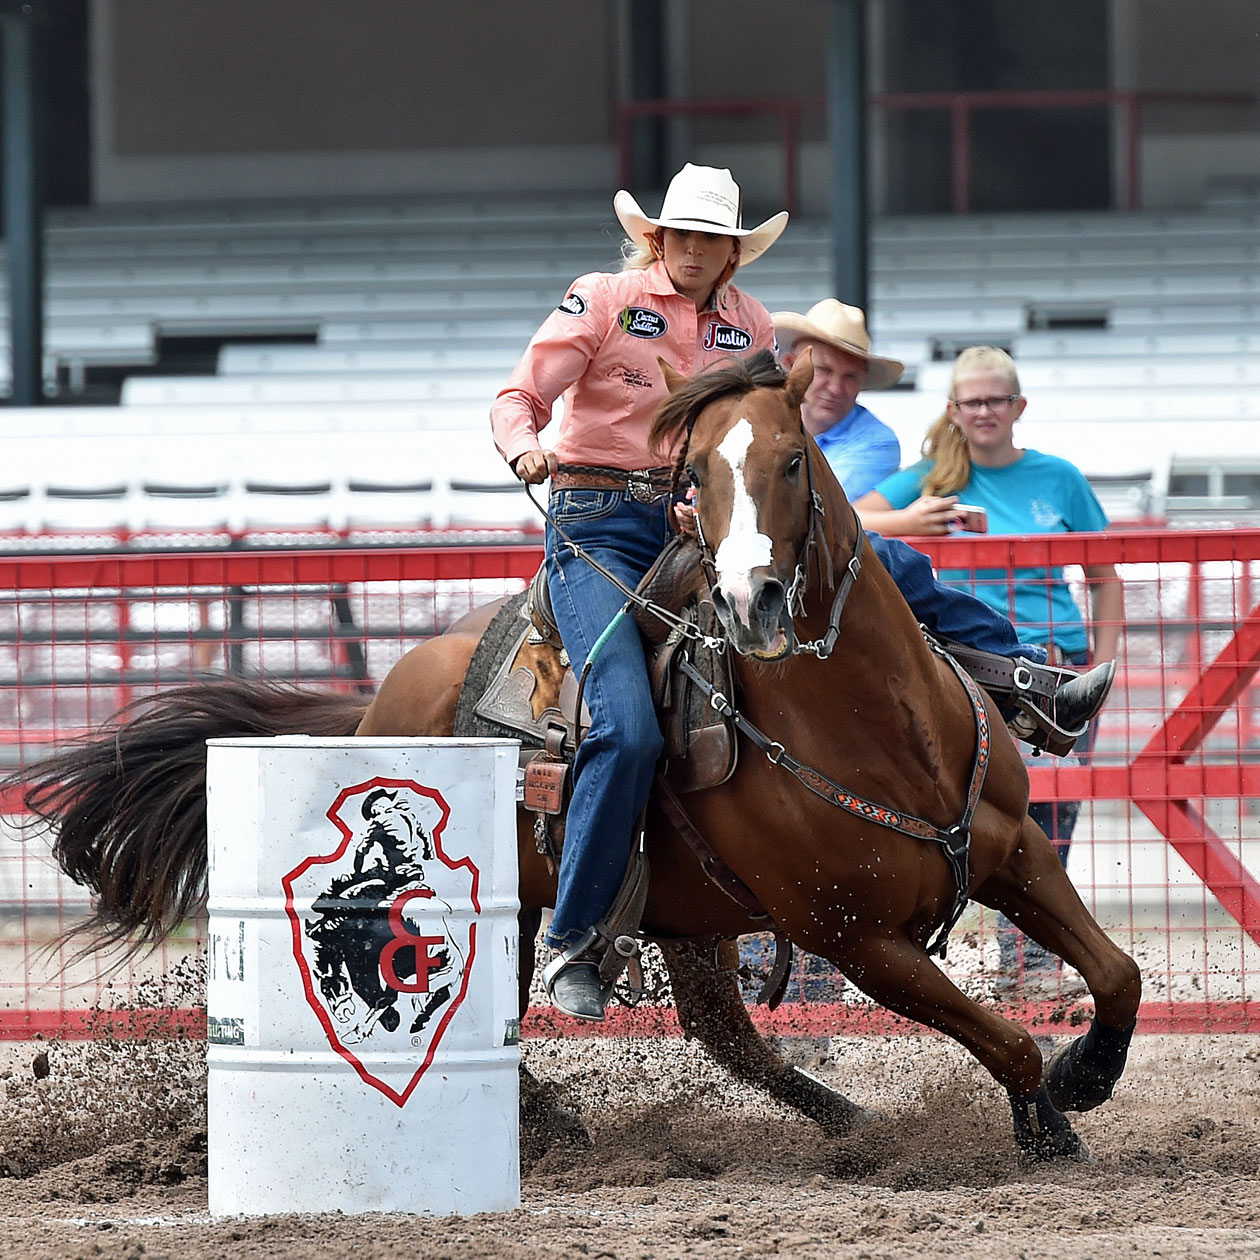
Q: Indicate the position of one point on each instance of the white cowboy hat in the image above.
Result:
(701, 199)
(835, 324)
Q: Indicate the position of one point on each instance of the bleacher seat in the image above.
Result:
(422, 306)
(380, 503)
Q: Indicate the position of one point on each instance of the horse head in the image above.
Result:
(756, 476)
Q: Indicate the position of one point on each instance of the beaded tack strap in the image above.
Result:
(955, 841)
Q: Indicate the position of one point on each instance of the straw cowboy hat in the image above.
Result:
(701, 199)
(844, 327)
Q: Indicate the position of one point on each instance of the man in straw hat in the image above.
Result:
(674, 299)
(861, 449)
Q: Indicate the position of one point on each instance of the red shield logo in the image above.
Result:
(384, 929)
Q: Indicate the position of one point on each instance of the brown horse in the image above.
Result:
(879, 794)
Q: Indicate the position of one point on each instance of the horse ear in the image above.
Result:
(800, 376)
(674, 379)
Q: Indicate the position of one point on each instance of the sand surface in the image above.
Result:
(102, 1154)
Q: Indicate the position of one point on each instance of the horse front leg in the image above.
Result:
(704, 977)
(898, 974)
(1033, 891)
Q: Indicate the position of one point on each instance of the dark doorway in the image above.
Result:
(61, 77)
(1044, 159)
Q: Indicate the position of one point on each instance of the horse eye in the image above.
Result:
(794, 465)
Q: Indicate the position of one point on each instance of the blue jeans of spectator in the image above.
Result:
(948, 613)
(1058, 820)
(617, 758)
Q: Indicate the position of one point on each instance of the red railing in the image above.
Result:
(961, 106)
(1167, 852)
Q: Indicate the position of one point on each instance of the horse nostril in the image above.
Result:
(770, 598)
(720, 604)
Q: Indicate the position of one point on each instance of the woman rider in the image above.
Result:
(674, 300)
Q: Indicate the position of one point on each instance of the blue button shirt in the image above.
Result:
(861, 450)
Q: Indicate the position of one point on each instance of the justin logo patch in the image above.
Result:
(574, 304)
(722, 336)
(638, 321)
(384, 959)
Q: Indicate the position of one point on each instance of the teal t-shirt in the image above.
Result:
(1038, 494)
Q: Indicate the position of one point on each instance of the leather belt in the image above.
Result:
(644, 485)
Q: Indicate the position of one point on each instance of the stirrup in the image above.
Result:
(1030, 689)
(1040, 721)
(572, 980)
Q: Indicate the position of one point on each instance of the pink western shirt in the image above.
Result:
(599, 349)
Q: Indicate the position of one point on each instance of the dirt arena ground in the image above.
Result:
(102, 1154)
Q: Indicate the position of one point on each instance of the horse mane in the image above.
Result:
(732, 378)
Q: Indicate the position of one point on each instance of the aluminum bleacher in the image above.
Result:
(1136, 335)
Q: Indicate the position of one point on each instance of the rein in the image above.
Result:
(685, 628)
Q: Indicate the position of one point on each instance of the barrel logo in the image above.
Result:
(384, 959)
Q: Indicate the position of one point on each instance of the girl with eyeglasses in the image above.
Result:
(970, 458)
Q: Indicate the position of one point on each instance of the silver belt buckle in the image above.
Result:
(640, 486)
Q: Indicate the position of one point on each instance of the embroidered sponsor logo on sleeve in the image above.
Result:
(722, 336)
(638, 321)
(574, 304)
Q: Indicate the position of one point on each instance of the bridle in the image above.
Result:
(955, 840)
(794, 601)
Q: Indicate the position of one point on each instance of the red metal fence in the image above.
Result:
(1166, 852)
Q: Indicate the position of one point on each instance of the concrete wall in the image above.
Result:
(208, 98)
(253, 98)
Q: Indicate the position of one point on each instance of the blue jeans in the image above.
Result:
(948, 613)
(617, 758)
(1058, 820)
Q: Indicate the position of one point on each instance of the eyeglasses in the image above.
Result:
(973, 406)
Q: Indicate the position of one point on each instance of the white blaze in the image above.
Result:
(744, 548)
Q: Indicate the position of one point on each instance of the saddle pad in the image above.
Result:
(515, 688)
(520, 690)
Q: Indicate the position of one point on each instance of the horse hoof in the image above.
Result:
(1042, 1131)
(1084, 1073)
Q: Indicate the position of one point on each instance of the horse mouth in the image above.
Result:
(780, 646)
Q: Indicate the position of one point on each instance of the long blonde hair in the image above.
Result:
(641, 254)
(944, 446)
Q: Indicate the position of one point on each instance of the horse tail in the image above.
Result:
(126, 805)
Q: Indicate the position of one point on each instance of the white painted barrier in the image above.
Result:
(362, 984)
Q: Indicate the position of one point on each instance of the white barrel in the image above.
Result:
(361, 994)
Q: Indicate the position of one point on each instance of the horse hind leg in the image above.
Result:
(1033, 891)
(703, 974)
(898, 974)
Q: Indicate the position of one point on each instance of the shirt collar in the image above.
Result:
(833, 431)
(658, 282)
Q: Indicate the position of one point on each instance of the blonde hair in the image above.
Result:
(944, 445)
(641, 254)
